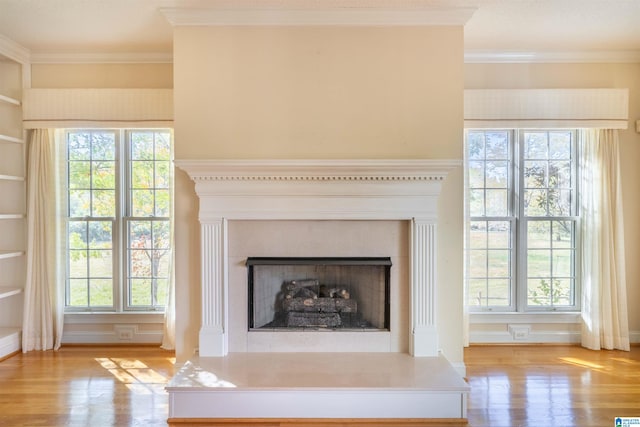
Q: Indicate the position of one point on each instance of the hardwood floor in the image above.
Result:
(559, 386)
(510, 386)
(86, 386)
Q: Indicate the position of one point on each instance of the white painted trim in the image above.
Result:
(14, 51)
(504, 337)
(524, 57)
(102, 58)
(494, 317)
(318, 170)
(10, 341)
(108, 318)
(294, 13)
(634, 337)
(111, 337)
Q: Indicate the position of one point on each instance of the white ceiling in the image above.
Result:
(138, 26)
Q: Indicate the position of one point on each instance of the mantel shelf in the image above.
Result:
(9, 100)
(10, 254)
(7, 291)
(11, 178)
(7, 138)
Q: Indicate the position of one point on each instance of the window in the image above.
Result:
(118, 226)
(522, 220)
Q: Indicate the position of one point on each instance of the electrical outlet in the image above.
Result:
(519, 332)
(125, 332)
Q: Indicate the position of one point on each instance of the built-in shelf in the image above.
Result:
(7, 291)
(12, 216)
(14, 72)
(10, 254)
(7, 138)
(9, 100)
(11, 178)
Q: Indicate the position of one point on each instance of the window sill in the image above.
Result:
(107, 318)
(528, 318)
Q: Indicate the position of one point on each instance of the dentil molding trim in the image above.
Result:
(318, 170)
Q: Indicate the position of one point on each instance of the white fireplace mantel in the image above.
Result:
(317, 190)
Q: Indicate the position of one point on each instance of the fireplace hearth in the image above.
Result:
(315, 294)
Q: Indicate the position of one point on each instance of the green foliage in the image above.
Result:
(546, 294)
(92, 187)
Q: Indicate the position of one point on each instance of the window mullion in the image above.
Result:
(117, 235)
(522, 224)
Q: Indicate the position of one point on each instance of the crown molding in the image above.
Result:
(13, 50)
(102, 58)
(524, 57)
(290, 13)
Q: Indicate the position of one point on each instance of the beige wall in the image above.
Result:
(62, 76)
(319, 92)
(508, 76)
(264, 92)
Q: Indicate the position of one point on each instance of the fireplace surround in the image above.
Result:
(272, 190)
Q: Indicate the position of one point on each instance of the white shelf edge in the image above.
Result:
(12, 216)
(13, 139)
(11, 178)
(9, 100)
(10, 254)
(7, 291)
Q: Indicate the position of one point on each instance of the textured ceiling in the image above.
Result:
(137, 26)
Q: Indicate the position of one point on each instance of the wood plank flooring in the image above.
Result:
(555, 386)
(511, 386)
(86, 386)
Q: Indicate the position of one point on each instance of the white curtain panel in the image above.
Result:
(604, 299)
(169, 326)
(43, 308)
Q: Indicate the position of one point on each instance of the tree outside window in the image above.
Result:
(118, 228)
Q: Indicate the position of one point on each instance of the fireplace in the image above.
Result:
(319, 293)
(237, 191)
(331, 212)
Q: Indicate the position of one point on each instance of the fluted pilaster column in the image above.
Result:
(213, 331)
(424, 333)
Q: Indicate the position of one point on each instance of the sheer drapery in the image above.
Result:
(44, 300)
(604, 300)
(169, 327)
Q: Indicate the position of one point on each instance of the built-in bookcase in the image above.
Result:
(12, 205)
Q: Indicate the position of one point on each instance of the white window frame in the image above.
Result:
(518, 288)
(120, 222)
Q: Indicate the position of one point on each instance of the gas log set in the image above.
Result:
(307, 303)
(318, 294)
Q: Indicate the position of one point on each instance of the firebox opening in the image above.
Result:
(319, 294)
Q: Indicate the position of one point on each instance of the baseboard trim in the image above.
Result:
(299, 422)
(500, 337)
(531, 338)
(111, 337)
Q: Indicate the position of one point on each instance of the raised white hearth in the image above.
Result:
(258, 386)
(236, 195)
